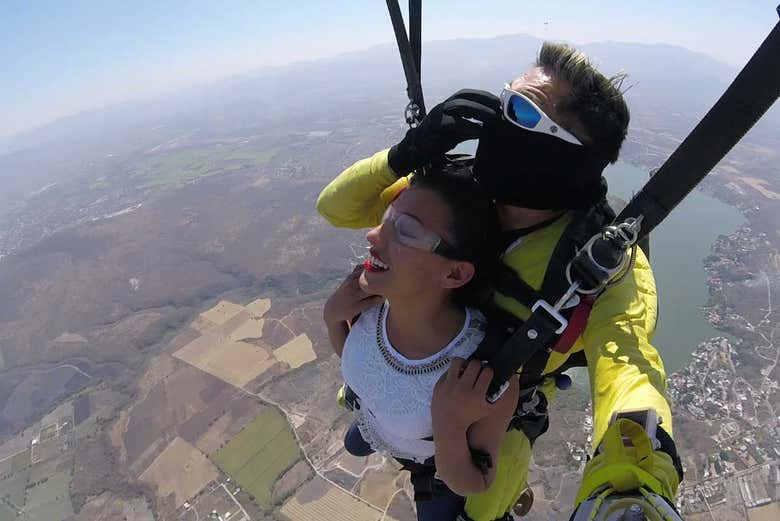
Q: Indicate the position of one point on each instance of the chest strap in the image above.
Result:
(596, 262)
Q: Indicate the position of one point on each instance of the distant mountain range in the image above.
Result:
(663, 79)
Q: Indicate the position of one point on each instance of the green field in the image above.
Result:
(6, 513)
(20, 461)
(259, 454)
(180, 167)
(48, 432)
(13, 487)
(49, 500)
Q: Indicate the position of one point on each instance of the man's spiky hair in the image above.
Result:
(595, 101)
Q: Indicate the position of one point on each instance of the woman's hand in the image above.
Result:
(464, 422)
(348, 300)
(459, 396)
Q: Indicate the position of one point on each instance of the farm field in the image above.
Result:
(296, 352)
(180, 167)
(180, 469)
(12, 488)
(230, 347)
(768, 512)
(20, 461)
(49, 500)
(259, 454)
(259, 307)
(172, 401)
(319, 500)
(222, 312)
(48, 432)
(252, 328)
(236, 363)
(6, 513)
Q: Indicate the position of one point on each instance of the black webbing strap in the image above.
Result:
(510, 284)
(582, 227)
(516, 348)
(537, 334)
(410, 49)
(748, 97)
(415, 36)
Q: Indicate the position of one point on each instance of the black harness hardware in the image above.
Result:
(530, 345)
(410, 49)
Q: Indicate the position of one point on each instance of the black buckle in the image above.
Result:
(351, 400)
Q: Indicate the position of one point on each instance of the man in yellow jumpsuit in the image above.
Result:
(542, 149)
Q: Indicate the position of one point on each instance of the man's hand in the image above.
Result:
(348, 300)
(627, 467)
(457, 119)
(459, 396)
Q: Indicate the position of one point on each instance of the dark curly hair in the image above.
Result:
(475, 226)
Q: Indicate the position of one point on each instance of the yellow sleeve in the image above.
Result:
(358, 197)
(626, 371)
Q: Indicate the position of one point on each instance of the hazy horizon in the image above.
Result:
(60, 61)
(206, 82)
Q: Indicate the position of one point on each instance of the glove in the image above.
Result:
(629, 469)
(446, 125)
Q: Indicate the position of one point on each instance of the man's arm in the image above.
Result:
(358, 197)
(626, 372)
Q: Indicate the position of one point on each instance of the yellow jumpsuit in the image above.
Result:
(625, 370)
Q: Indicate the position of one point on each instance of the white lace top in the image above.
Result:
(395, 392)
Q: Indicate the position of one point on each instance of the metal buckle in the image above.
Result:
(553, 313)
(412, 114)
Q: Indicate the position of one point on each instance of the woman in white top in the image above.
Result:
(430, 263)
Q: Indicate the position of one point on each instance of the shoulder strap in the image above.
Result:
(583, 225)
(511, 343)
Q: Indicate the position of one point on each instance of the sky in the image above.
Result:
(59, 58)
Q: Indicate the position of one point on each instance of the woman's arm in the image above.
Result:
(337, 334)
(358, 197)
(463, 421)
(348, 301)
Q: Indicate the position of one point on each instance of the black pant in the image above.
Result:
(444, 506)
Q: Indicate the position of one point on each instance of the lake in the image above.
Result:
(677, 248)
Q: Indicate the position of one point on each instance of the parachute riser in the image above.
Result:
(410, 49)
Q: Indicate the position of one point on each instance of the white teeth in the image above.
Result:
(377, 263)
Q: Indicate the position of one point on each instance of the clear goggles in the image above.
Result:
(521, 111)
(411, 232)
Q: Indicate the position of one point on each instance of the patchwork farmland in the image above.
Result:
(260, 454)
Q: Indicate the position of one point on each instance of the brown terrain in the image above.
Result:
(137, 341)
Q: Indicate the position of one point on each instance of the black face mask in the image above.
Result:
(535, 170)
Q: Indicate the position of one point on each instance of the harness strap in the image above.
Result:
(515, 344)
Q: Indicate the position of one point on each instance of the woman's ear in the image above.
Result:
(458, 275)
